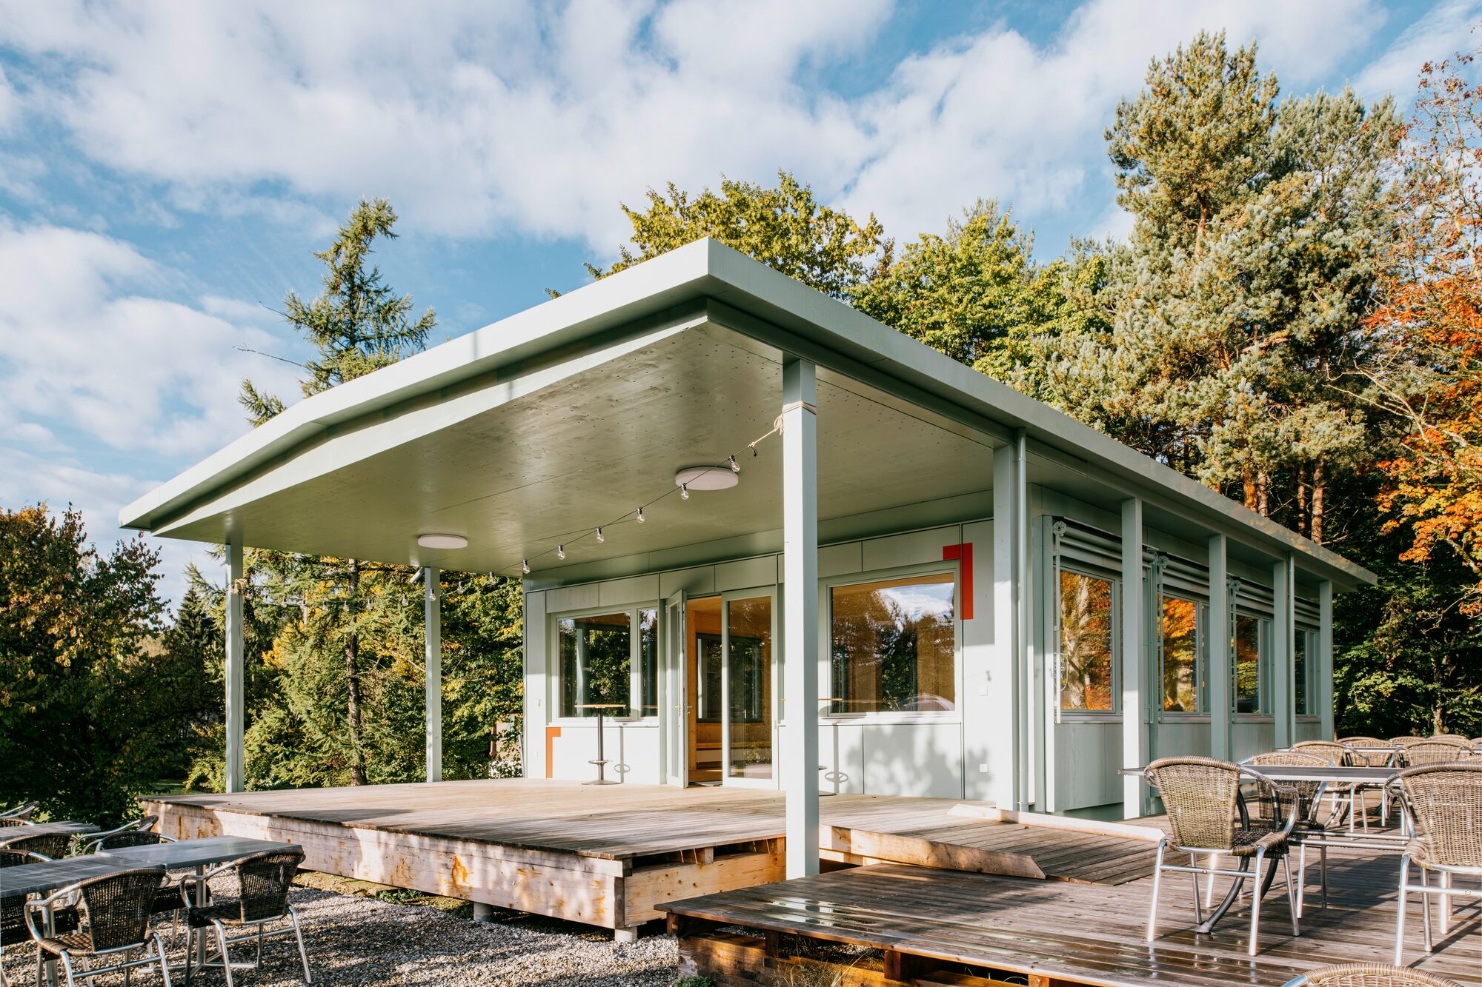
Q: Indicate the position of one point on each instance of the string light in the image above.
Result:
(638, 515)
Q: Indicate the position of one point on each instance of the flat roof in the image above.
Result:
(703, 283)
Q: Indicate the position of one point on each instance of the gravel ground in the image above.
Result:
(353, 939)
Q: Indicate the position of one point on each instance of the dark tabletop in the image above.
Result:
(43, 829)
(190, 853)
(40, 878)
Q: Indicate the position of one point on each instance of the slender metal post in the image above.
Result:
(235, 672)
(800, 612)
(432, 622)
(1134, 702)
(1218, 657)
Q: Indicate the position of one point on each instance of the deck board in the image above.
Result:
(1093, 934)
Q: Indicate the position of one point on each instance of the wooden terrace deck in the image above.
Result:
(894, 924)
(608, 856)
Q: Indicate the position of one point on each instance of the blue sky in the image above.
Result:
(166, 169)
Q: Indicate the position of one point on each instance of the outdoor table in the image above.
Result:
(192, 853)
(601, 761)
(44, 829)
(1345, 775)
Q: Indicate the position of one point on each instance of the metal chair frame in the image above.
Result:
(188, 893)
(1435, 831)
(1307, 804)
(76, 896)
(22, 811)
(1273, 842)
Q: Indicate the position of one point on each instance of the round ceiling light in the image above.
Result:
(706, 478)
(442, 541)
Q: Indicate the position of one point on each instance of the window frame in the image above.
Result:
(556, 674)
(1264, 623)
(1201, 656)
(826, 641)
(1062, 714)
(1308, 638)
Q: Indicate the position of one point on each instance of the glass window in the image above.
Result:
(1181, 658)
(1300, 676)
(648, 661)
(894, 644)
(1250, 675)
(596, 663)
(1086, 642)
(748, 679)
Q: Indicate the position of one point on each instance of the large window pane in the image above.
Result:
(596, 663)
(749, 675)
(1249, 674)
(648, 661)
(1086, 655)
(1299, 660)
(893, 644)
(1180, 655)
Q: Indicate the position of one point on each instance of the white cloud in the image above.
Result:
(84, 348)
(1438, 35)
(476, 118)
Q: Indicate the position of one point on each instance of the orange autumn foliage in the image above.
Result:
(1429, 325)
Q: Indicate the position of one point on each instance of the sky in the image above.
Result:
(167, 169)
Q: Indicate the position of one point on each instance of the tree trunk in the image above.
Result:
(1317, 492)
(1263, 489)
(1302, 517)
(352, 684)
(1248, 482)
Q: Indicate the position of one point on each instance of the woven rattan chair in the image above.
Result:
(1368, 975)
(112, 922)
(1437, 752)
(1452, 736)
(1407, 741)
(22, 812)
(1203, 800)
(247, 894)
(133, 834)
(1443, 803)
(13, 931)
(1370, 752)
(1309, 827)
(53, 846)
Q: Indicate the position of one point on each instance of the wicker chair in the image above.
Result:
(1403, 742)
(248, 893)
(138, 833)
(1207, 816)
(21, 812)
(1370, 752)
(112, 921)
(1367, 975)
(1309, 827)
(13, 931)
(1452, 736)
(1436, 752)
(1443, 803)
(52, 846)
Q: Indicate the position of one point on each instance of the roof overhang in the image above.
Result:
(577, 410)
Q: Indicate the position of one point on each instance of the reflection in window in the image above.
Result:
(1299, 661)
(1086, 655)
(648, 661)
(1180, 632)
(1249, 673)
(893, 644)
(596, 663)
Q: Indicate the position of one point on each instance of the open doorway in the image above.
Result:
(729, 685)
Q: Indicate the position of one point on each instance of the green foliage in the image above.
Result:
(965, 293)
(87, 705)
(783, 227)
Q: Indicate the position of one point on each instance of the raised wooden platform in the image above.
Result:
(609, 856)
(893, 924)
